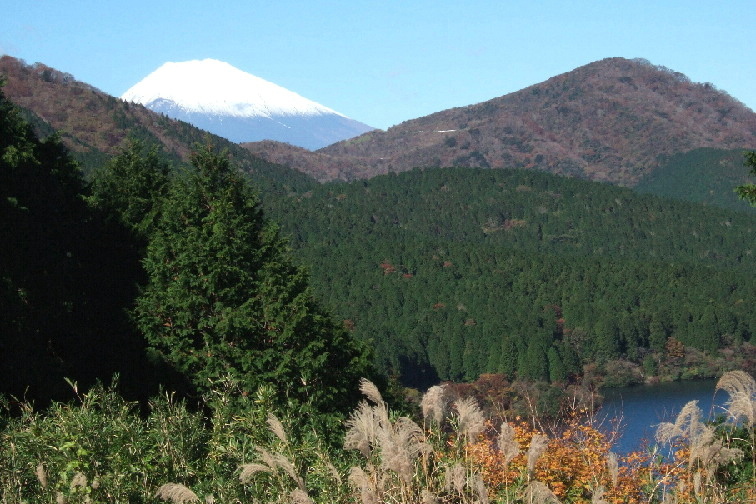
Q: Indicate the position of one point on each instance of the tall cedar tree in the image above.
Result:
(130, 187)
(224, 298)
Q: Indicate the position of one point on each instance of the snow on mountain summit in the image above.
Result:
(223, 100)
(214, 87)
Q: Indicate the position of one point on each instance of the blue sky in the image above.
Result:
(384, 62)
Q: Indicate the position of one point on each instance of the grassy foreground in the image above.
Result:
(240, 449)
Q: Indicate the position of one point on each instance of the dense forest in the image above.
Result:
(456, 272)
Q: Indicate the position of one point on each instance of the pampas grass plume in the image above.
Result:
(362, 429)
(508, 445)
(276, 427)
(742, 390)
(78, 481)
(176, 493)
(538, 493)
(249, 470)
(371, 391)
(612, 465)
(538, 445)
(433, 404)
(41, 475)
(471, 419)
(299, 496)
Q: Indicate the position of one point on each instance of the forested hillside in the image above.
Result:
(456, 272)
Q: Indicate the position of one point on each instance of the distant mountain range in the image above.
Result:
(221, 99)
(615, 120)
(621, 121)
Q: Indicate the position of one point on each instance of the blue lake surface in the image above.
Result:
(641, 408)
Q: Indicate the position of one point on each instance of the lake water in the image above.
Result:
(642, 408)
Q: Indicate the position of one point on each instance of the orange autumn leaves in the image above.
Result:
(576, 465)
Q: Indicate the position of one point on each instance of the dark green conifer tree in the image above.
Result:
(131, 186)
(225, 299)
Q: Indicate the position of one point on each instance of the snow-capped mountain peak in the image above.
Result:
(239, 106)
(210, 86)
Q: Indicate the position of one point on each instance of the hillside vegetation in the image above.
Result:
(456, 272)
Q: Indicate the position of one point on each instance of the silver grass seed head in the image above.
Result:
(277, 428)
(434, 404)
(333, 471)
(299, 496)
(359, 480)
(598, 496)
(471, 419)
(612, 464)
(176, 493)
(248, 471)
(370, 391)
(741, 388)
(396, 448)
(455, 478)
(41, 475)
(363, 426)
(288, 467)
(479, 486)
(538, 493)
(538, 445)
(508, 445)
(428, 497)
(697, 483)
(78, 481)
(268, 459)
(687, 424)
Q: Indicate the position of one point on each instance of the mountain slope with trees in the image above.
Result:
(614, 120)
(456, 272)
(705, 176)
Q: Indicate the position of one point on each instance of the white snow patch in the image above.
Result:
(445, 131)
(214, 87)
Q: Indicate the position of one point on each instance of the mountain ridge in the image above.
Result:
(613, 120)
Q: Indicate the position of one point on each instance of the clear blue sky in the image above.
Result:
(383, 62)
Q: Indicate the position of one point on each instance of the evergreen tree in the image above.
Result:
(224, 298)
(131, 186)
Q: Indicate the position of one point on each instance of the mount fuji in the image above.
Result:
(219, 98)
